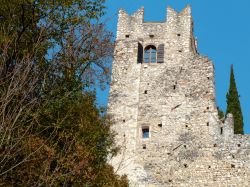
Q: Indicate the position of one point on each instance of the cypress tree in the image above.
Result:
(233, 104)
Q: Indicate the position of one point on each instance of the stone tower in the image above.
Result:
(162, 102)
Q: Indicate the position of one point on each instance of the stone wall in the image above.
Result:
(188, 145)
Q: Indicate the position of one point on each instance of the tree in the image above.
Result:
(52, 133)
(233, 104)
(221, 114)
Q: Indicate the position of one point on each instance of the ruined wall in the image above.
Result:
(188, 145)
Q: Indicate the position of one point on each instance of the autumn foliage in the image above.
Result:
(52, 54)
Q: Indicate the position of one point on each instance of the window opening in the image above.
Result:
(150, 54)
(151, 35)
(221, 130)
(127, 36)
(145, 132)
(144, 146)
(159, 125)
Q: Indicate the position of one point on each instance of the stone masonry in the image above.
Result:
(187, 144)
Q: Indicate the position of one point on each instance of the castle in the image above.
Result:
(162, 102)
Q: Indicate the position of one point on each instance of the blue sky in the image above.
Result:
(222, 28)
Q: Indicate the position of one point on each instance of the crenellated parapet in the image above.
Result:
(177, 30)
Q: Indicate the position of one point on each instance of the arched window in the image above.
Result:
(150, 54)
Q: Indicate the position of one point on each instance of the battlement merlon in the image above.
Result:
(181, 24)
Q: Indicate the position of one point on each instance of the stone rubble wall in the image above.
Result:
(188, 144)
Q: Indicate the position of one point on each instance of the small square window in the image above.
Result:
(127, 36)
(151, 35)
(145, 132)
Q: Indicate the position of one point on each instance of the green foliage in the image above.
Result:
(221, 114)
(233, 105)
(20, 36)
(52, 133)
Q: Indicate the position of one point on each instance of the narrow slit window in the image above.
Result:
(145, 132)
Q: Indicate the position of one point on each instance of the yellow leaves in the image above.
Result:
(67, 3)
(4, 40)
(75, 20)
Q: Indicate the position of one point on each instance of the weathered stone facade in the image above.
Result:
(187, 145)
